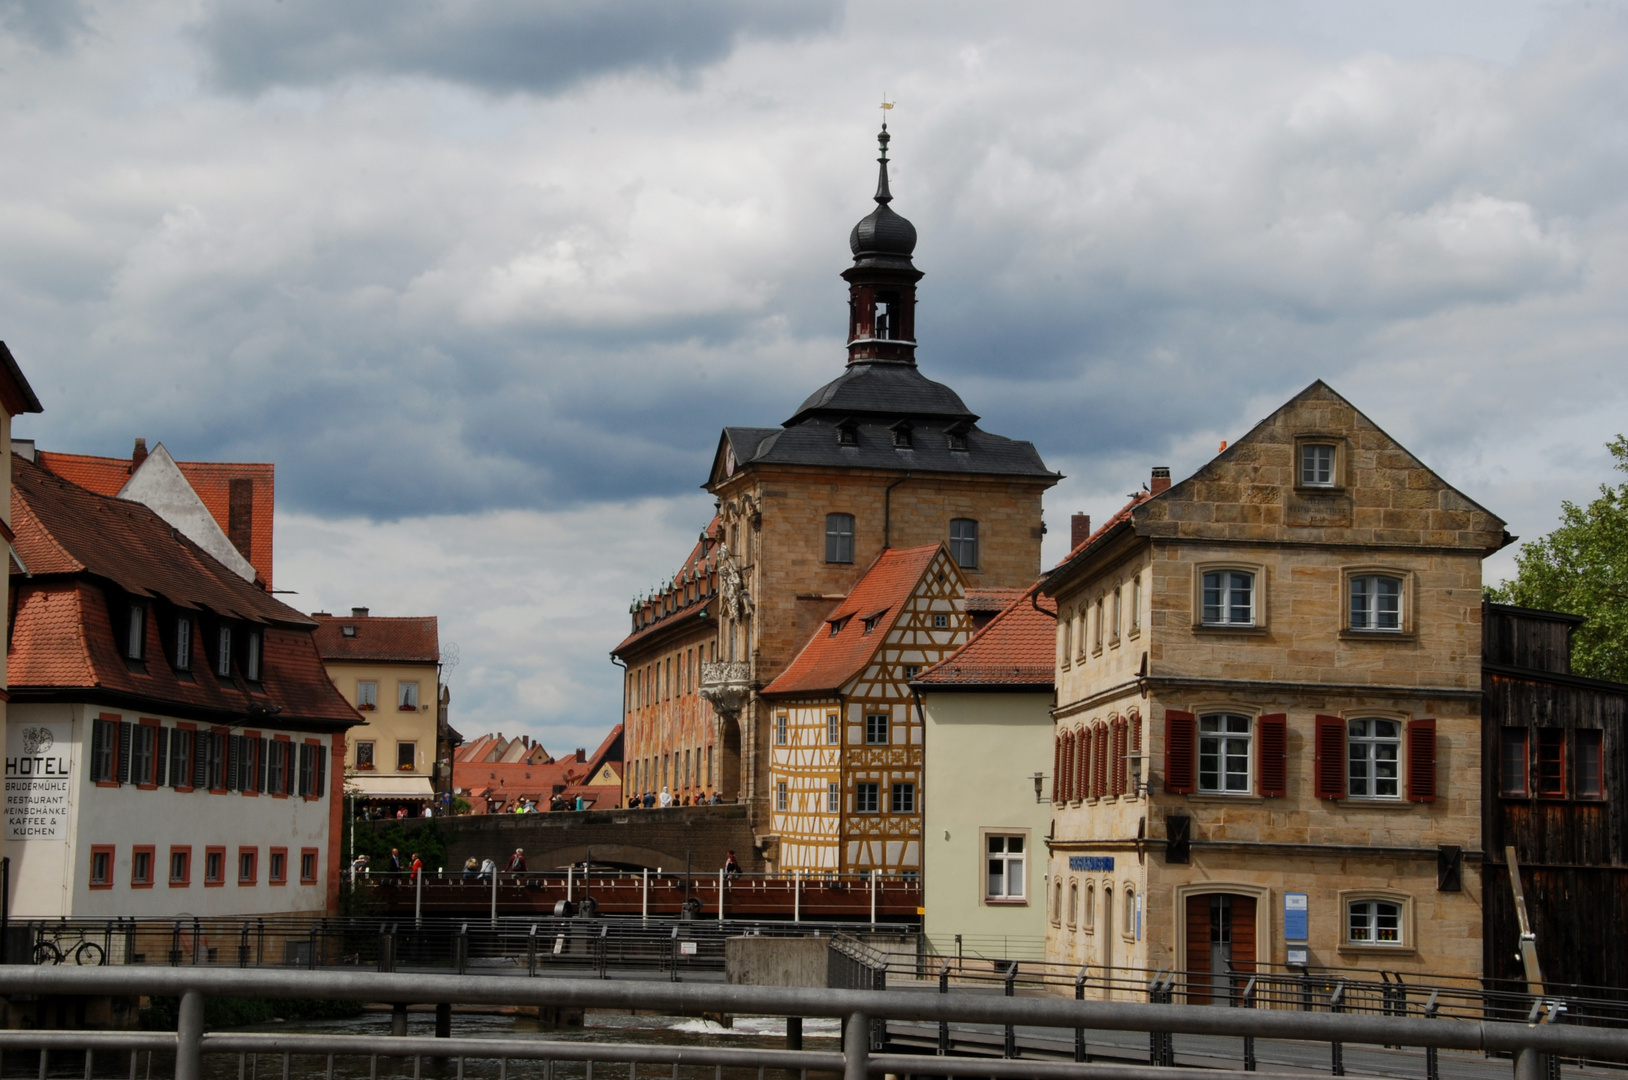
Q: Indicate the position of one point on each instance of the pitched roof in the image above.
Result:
(15, 393)
(816, 441)
(212, 480)
(411, 639)
(65, 529)
(991, 601)
(830, 659)
(696, 563)
(76, 544)
(1017, 649)
(1121, 518)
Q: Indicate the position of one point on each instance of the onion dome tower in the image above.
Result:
(882, 280)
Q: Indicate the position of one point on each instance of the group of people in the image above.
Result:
(483, 869)
(555, 804)
(666, 798)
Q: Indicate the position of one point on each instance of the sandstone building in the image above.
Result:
(1268, 735)
(879, 458)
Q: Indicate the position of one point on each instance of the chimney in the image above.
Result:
(138, 455)
(582, 755)
(1161, 479)
(1079, 530)
(361, 612)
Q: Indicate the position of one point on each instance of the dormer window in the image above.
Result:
(347, 630)
(847, 432)
(957, 436)
(251, 668)
(903, 435)
(223, 654)
(135, 633)
(183, 643)
(870, 623)
(838, 624)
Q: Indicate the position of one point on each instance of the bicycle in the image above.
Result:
(86, 952)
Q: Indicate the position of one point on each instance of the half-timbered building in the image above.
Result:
(845, 740)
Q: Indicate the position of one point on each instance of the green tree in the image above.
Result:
(1582, 568)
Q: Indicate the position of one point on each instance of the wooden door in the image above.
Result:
(1220, 946)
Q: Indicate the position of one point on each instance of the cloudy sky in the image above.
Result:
(484, 279)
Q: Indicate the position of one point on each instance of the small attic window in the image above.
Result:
(348, 630)
(903, 435)
(957, 436)
(847, 433)
(870, 623)
(838, 624)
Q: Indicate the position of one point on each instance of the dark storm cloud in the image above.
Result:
(495, 45)
(49, 24)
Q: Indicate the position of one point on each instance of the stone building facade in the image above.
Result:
(880, 458)
(1268, 723)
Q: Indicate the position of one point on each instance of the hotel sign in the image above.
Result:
(38, 783)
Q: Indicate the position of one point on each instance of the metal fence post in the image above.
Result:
(189, 1029)
(531, 951)
(856, 1048)
(1247, 1000)
(1079, 1032)
(460, 948)
(944, 1025)
(1010, 1048)
(243, 947)
(1336, 1004)
(1432, 1066)
(604, 949)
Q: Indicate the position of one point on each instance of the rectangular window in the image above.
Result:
(1374, 749)
(277, 767)
(214, 866)
(104, 750)
(367, 694)
(252, 667)
(867, 798)
(277, 866)
(1113, 627)
(407, 693)
(136, 631)
(1551, 763)
(1003, 867)
(709, 766)
(839, 538)
(1589, 782)
(101, 866)
(1229, 598)
(248, 865)
(964, 543)
(215, 762)
(833, 798)
(1513, 775)
(308, 866)
(780, 795)
(143, 753)
(910, 672)
(1374, 922)
(876, 729)
(406, 756)
(364, 757)
(1097, 641)
(1316, 465)
(1376, 602)
(833, 729)
(904, 799)
(1136, 603)
(780, 730)
(180, 866)
(1223, 754)
(141, 867)
(941, 621)
(223, 653)
(181, 761)
(183, 643)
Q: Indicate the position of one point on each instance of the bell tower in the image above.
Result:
(882, 281)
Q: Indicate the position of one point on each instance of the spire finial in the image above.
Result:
(883, 195)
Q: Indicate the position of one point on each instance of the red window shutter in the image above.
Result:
(1180, 734)
(1082, 763)
(1116, 771)
(1330, 757)
(1099, 761)
(1422, 761)
(1272, 743)
(1057, 767)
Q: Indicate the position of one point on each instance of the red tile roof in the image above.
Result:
(830, 660)
(1123, 515)
(403, 640)
(991, 601)
(512, 780)
(83, 551)
(212, 480)
(1017, 648)
(696, 563)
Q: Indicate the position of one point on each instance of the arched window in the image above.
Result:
(1128, 926)
(839, 538)
(1089, 913)
(964, 542)
(1057, 903)
(1073, 901)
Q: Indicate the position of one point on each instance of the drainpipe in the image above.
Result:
(887, 511)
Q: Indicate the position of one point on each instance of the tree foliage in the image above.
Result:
(1582, 568)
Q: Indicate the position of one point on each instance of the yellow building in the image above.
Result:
(389, 668)
(1267, 731)
(845, 755)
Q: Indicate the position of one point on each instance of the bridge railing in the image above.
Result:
(182, 1053)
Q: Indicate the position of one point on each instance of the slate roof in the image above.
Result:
(815, 442)
(401, 640)
(1016, 650)
(885, 388)
(212, 480)
(829, 660)
(77, 545)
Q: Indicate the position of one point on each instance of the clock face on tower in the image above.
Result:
(729, 461)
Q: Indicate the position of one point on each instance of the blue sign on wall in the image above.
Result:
(1294, 916)
(1091, 862)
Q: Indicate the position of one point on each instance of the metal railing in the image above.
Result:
(181, 1054)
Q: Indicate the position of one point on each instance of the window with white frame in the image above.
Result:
(1316, 464)
(833, 729)
(1374, 758)
(1229, 598)
(876, 729)
(183, 643)
(839, 538)
(1376, 602)
(941, 621)
(867, 798)
(1223, 754)
(407, 695)
(367, 694)
(1373, 922)
(1004, 861)
(964, 542)
(833, 798)
(780, 795)
(223, 652)
(780, 733)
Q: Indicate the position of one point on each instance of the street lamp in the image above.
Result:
(1135, 759)
(1039, 779)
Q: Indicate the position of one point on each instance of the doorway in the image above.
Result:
(1220, 946)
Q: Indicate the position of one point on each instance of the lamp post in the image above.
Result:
(1135, 760)
(1039, 782)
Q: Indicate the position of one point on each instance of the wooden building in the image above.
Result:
(1555, 787)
